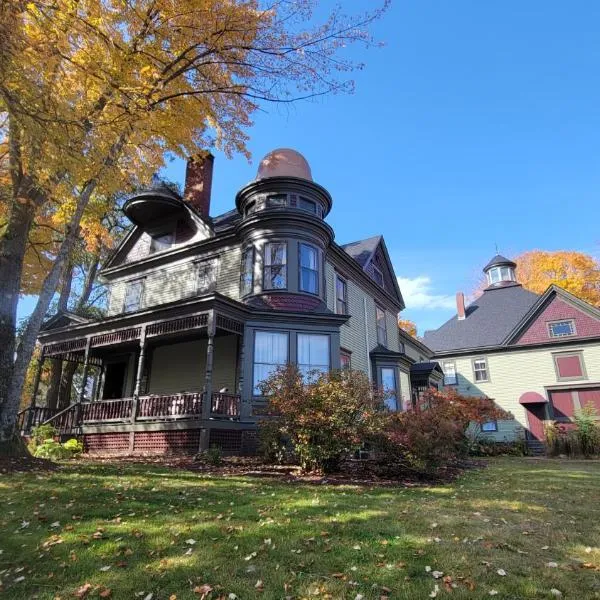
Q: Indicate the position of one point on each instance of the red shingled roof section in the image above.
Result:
(291, 303)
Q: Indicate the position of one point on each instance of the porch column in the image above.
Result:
(99, 382)
(207, 395)
(86, 368)
(139, 374)
(245, 405)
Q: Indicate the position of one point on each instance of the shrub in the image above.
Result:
(580, 438)
(52, 450)
(433, 434)
(273, 445)
(74, 447)
(326, 417)
(214, 456)
(39, 435)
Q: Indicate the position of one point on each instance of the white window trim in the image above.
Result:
(549, 327)
(453, 363)
(486, 368)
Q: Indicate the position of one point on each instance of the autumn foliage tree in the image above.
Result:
(576, 272)
(408, 326)
(94, 95)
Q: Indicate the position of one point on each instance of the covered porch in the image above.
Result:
(178, 377)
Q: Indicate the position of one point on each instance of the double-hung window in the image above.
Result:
(247, 272)
(309, 269)
(133, 296)
(270, 353)
(275, 267)
(381, 326)
(341, 296)
(450, 375)
(313, 354)
(206, 276)
(480, 369)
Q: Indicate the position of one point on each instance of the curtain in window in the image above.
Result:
(270, 352)
(309, 269)
(313, 353)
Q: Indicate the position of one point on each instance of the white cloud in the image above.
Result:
(418, 293)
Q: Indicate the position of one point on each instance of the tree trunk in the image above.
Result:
(13, 378)
(56, 364)
(12, 253)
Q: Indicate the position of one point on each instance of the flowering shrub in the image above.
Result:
(324, 419)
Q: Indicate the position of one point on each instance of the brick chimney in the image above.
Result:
(198, 183)
(460, 306)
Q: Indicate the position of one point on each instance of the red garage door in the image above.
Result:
(566, 402)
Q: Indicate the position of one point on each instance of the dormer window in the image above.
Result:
(162, 241)
(561, 328)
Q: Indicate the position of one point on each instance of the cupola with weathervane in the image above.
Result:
(500, 272)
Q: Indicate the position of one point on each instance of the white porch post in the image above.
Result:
(139, 374)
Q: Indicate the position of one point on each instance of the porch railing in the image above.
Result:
(175, 406)
(184, 406)
(106, 411)
(225, 405)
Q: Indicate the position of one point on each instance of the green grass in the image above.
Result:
(301, 541)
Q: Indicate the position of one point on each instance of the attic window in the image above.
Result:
(377, 275)
(162, 241)
(561, 328)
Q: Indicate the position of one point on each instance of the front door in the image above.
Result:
(388, 382)
(536, 413)
(114, 380)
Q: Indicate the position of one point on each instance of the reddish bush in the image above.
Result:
(324, 419)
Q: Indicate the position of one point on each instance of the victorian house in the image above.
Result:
(537, 356)
(202, 309)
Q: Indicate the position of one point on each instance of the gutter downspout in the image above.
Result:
(367, 340)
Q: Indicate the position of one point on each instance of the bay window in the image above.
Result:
(247, 272)
(270, 353)
(275, 267)
(313, 354)
(309, 269)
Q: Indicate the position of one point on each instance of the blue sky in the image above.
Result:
(476, 124)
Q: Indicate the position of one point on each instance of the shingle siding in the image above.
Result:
(558, 310)
(179, 281)
(511, 374)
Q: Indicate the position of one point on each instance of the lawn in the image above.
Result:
(520, 528)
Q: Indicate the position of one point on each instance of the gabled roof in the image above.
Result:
(542, 302)
(489, 320)
(364, 251)
(63, 319)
